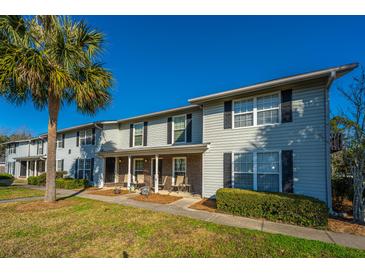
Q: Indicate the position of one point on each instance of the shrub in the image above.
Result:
(6, 176)
(283, 207)
(68, 183)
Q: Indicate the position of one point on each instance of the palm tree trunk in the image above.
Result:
(53, 109)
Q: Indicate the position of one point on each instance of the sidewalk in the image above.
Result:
(181, 208)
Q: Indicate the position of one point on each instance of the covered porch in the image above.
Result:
(31, 166)
(172, 169)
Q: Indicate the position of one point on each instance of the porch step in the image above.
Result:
(114, 184)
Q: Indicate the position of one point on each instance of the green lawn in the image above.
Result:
(79, 227)
(12, 192)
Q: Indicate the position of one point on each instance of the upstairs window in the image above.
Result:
(86, 137)
(268, 109)
(40, 147)
(138, 134)
(261, 110)
(12, 148)
(180, 129)
(61, 141)
(243, 113)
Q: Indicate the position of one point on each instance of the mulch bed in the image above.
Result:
(108, 192)
(345, 226)
(205, 204)
(157, 198)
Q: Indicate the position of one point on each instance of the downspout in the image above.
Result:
(331, 78)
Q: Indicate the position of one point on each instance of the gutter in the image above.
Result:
(331, 78)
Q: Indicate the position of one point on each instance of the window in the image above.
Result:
(138, 166)
(85, 167)
(260, 110)
(11, 168)
(243, 113)
(243, 170)
(268, 171)
(40, 147)
(180, 129)
(257, 171)
(12, 148)
(138, 134)
(268, 109)
(86, 137)
(179, 168)
(60, 165)
(61, 141)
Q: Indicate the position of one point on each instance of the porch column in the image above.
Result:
(156, 173)
(35, 168)
(116, 170)
(129, 172)
(27, 169)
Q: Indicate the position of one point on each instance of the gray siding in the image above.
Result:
(157, 132)
(305, 136)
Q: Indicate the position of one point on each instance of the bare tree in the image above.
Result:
(353, 123)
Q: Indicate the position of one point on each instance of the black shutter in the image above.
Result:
(78, 138)
(227, 169)
(130, 135)
(15, 145)
(188, 128)
(92, 170)
(227, 114)
(145, 130)
(76, 168)
(286, 106)
(169, 130)
(287, 171)
(63, 140)
(93, 137)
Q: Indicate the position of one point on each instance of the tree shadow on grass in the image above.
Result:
(71, 195)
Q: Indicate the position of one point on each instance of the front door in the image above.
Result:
(23, 168)
(159, 169)
(109, 170)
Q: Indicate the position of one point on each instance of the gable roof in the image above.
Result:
(338, 71)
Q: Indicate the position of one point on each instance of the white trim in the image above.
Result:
(173, 129)
(173, 167)
(134, 131)
(255, 173)
(254, 97)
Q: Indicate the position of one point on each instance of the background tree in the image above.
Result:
(352, 123)
(52, 61)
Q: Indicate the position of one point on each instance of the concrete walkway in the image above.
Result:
(181, 208)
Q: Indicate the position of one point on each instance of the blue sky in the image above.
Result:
(160, 62)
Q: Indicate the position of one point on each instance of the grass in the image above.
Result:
(79, 227)
(12, 192)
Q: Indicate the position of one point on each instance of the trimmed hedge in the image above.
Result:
(6, 176)
(67, 183)
(283, 207)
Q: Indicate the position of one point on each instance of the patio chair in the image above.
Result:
(140, 181)
(179, 183)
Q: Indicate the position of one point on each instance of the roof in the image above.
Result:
(160, 150)
(339, 71)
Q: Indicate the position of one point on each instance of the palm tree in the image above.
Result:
(52, 61)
